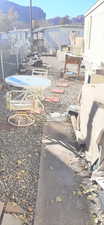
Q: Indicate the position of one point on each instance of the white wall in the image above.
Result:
(55, 37)
(94, 36)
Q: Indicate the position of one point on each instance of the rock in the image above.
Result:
(12, 207)
(51, 168)
(30, 209)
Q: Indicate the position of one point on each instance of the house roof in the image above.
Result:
(42, 29)
(94, 7)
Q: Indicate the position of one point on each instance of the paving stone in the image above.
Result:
(52, 99)
(58, 91)
(11, 220)
(1, 207)
(12, 207)
(62, 84)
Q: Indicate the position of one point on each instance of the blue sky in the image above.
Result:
(55, 8)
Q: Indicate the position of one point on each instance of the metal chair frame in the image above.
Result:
(40, 71)
(25, 103)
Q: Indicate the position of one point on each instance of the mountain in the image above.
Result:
(66, 20)
(78, 19)
(23, 11)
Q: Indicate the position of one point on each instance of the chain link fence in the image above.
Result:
(13, 51)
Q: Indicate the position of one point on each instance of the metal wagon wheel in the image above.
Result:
(21, 119)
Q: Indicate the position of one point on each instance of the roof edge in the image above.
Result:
(96, 5)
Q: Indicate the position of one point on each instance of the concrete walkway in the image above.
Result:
(60, 178)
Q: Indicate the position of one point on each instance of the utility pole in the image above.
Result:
(31, 33)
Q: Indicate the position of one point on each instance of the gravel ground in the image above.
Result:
(19, 166)
(21, 149)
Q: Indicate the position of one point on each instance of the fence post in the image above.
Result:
(2, 65)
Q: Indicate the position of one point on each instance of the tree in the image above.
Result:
(35, 24)
(12, 17)
(65, 20)
(8, 21)
(39, 23)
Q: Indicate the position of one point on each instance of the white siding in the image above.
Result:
(94, 37)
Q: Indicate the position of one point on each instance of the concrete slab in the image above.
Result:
(56, 204)
(1, 207)
(11, 220)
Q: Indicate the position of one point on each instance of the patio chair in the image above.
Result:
(40, 71)
(26, 104)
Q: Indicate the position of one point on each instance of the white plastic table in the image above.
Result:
(25, 102)
(28, 81)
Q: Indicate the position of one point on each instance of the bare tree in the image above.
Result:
(12, 17)
(8, 21)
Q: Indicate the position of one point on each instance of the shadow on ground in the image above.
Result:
(60, 201)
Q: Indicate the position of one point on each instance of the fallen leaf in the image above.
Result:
(13, 204)
(96, 220)
(23, 218)
(102, 216)
(74, 193)
(79, 193)
(59, 199)
(3, 169)
(22, 171)
(18, 177)
(52, 201)
(19, 162)
(94, 215)
(82, 187)
(89, 197)
(13, 196)
(51, 168)
(20, 174)
(24, 187)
